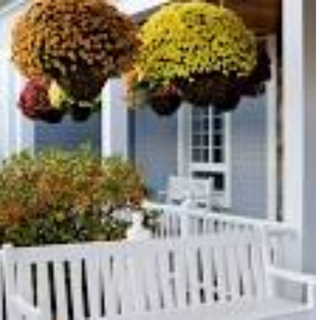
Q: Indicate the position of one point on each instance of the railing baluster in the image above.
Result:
(184, 222)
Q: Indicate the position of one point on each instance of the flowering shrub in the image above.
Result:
(79, 43)
(185, 39)
(59, 196)
(35, 104)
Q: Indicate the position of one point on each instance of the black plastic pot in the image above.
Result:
(211, 90)
(80, 113)
(230, 104)
(52, 116)
(166, 107)
(165, 102)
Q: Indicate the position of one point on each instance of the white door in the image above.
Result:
(204, 148)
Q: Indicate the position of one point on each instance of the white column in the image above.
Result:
(293, 110)
(293, 118)
(4, 111)
(23, 130)
(17, 132)
(114, 120)
(309, 236)
(272, 118)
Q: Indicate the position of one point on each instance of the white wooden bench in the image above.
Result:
(207, 278)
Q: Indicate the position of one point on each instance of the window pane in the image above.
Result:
(205, 155)
(217, 155)
(196, 126)
(217, 123)
(196, 140)
(205, 140)
(196, 155)
(217, 140)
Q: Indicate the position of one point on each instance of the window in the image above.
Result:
(207, 136)
(204, 140)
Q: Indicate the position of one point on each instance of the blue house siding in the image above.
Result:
(249, 164)
(155, 146)
(155, 150)
(69, 134)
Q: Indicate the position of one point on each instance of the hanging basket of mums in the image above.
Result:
(78, 43)
(42, 100)
(202, 50)
(163, 99)
(35, 103)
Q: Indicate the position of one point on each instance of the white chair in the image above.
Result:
(225, 277)
(189, 191)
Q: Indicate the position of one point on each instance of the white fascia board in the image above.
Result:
(131, 7)
(11, 7)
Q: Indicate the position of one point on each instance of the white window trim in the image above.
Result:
(185, 167)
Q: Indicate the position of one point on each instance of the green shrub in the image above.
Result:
(60, 196)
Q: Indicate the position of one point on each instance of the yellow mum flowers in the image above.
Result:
(197, 52)
(185, 39)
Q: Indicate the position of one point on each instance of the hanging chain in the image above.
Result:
(221, 3)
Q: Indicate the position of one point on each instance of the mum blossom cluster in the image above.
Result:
(79, 44)
(184, 39)
(196, 52)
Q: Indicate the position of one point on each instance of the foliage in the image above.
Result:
(35, 104)
(57, 96)
(197, 52)
(60, 196)
(79, 43)
(40, 100)
(182, 40)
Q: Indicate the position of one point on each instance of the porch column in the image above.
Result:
(16, 132)
(301, 126)
(114, 133)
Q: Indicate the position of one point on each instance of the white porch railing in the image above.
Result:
(177, 221)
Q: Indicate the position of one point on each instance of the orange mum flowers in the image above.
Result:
(79, 43)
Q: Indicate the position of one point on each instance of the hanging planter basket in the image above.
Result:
(81, 85)
(204, 49)
(211, 90)
(52, 116)
(165, 101)
(80, 44)
(34, 102)
(80, 113)
(255, 83)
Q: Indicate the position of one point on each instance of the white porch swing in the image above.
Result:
(225, 276)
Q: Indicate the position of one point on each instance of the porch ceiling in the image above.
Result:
(263, 16)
